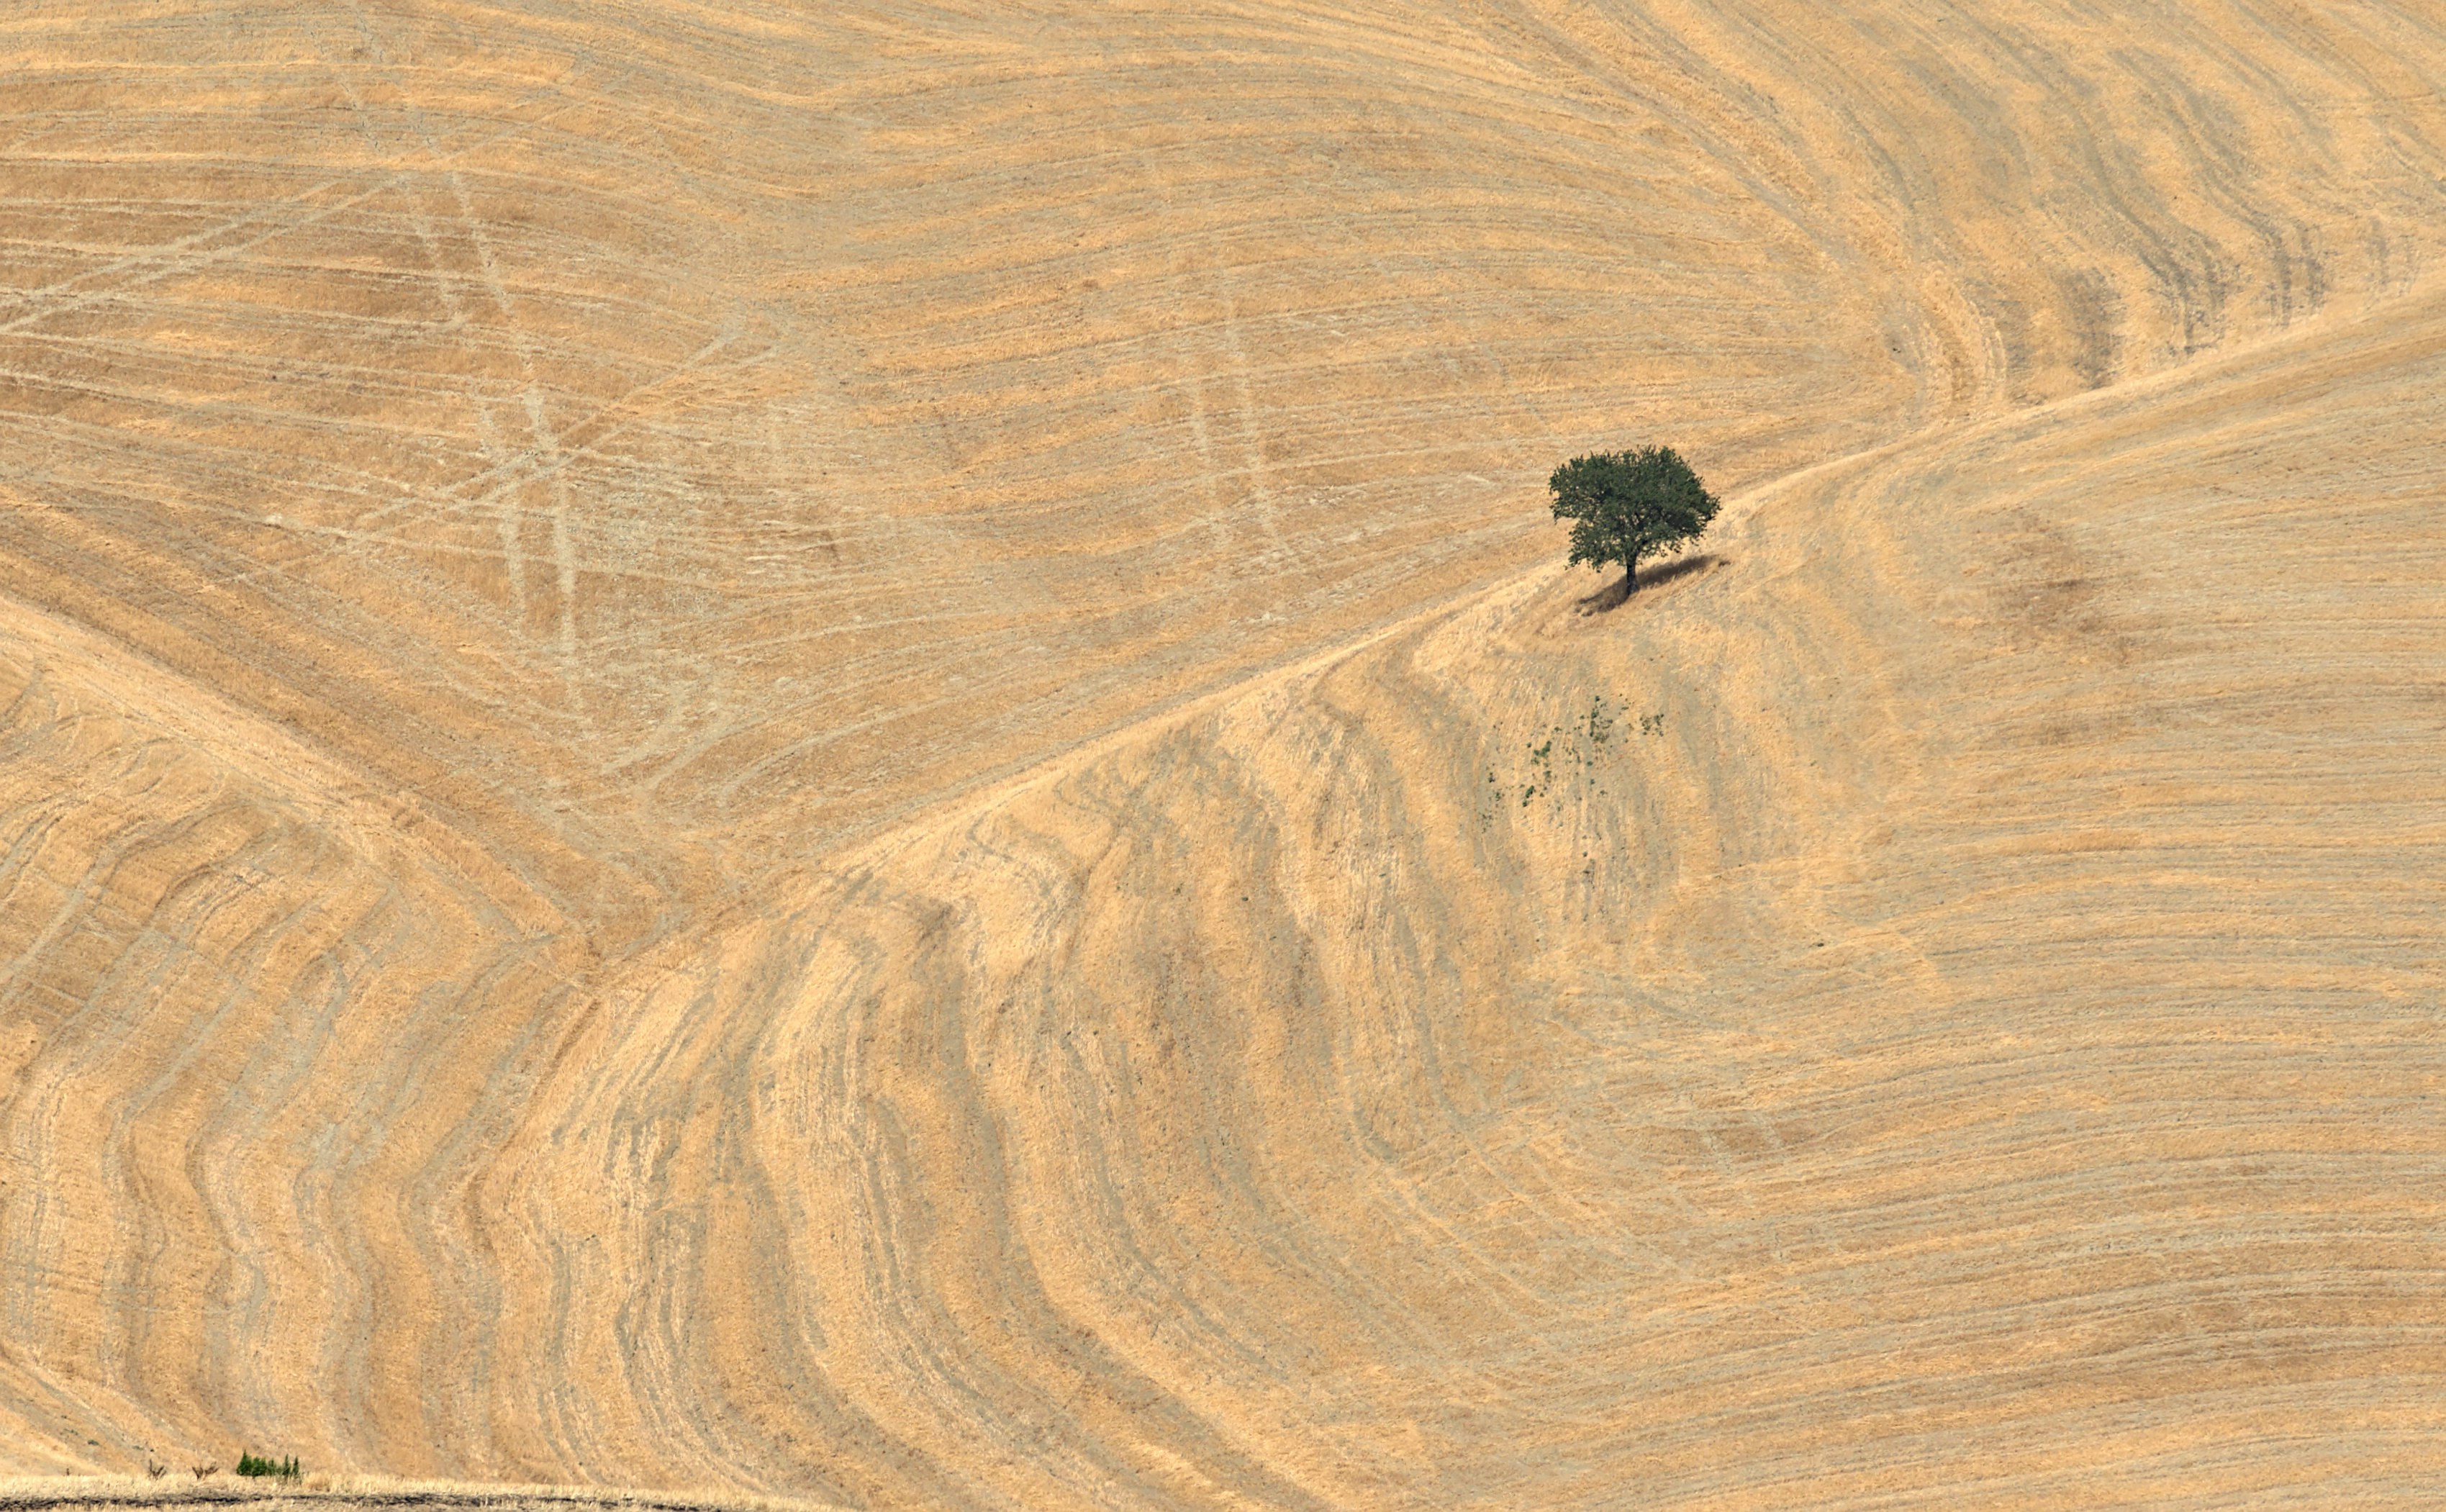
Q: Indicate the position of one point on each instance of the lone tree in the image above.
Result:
(1624, 506)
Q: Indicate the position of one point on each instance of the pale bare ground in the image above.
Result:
(804, 753)
(224, 1491)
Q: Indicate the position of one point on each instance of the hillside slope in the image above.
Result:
(820, 752)
(700, 433)
(1950, 1015)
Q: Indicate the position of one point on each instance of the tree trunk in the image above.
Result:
(1629, 575)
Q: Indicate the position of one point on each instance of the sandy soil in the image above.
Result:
(836, 754)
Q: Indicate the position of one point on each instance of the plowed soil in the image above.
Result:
(837, 751)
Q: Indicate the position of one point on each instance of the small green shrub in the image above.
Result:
(253, 1465)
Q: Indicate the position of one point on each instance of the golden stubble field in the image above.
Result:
(832, 752)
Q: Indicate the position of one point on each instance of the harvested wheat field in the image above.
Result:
(758, 753)
(324, 1492)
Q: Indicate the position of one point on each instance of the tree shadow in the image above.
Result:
(1616, 594)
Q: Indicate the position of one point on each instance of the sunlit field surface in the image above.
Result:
(838, 752)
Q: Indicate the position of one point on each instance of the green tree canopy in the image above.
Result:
(1624, 506)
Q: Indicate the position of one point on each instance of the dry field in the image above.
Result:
(324, 1492)
(833, 752)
